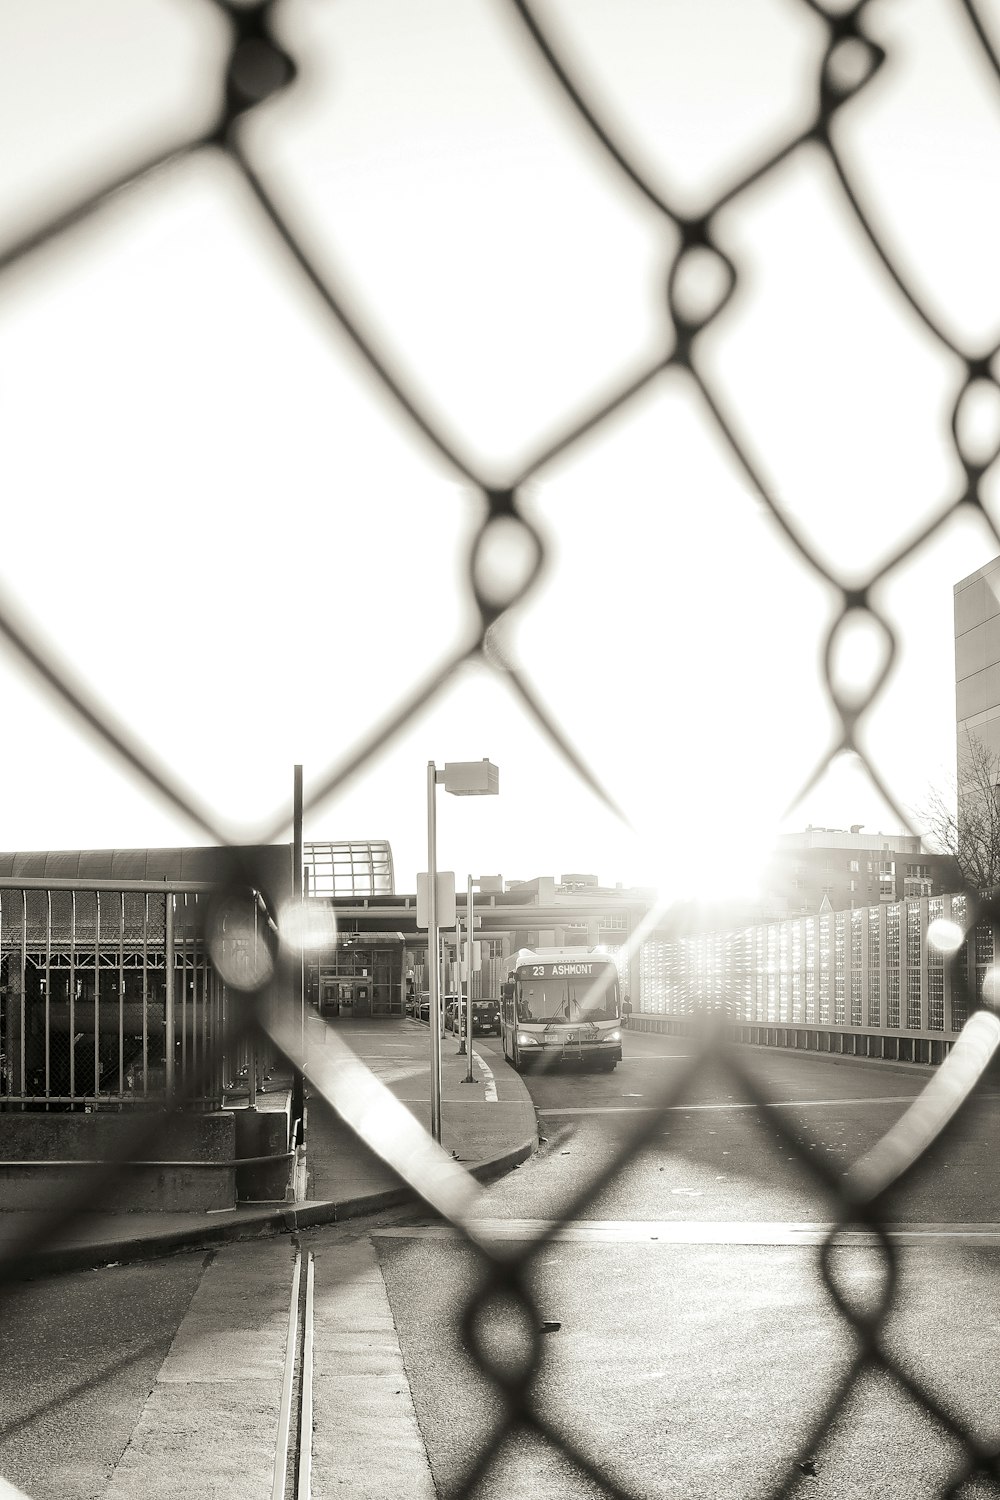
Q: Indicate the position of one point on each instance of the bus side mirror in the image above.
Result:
(506, 992)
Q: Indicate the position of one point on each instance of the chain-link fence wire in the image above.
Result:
(258, 66)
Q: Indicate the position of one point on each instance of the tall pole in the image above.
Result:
(462, 975)
(169, 1039)
(469, 948)
(298, 1081)
(434, 973)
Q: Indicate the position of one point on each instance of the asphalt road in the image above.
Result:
(690, 1339)
(80, 1354)
(713, 1155)
(698, 1369)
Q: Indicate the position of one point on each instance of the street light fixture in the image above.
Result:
(463, 778)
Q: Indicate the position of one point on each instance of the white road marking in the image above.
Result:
(488, 1079)
(626, 1109)
(699, 1232)
(453, 1099)
(599, 1109)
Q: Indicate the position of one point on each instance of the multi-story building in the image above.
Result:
(578, 912)
(845, 868)
(977, 660)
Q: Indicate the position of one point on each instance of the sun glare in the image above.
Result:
(707, 866)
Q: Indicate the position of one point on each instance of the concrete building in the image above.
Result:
(977, 659)
(823, 868)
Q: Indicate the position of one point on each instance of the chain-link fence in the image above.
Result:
(703, 276)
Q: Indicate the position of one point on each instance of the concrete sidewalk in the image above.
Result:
(488, 1125)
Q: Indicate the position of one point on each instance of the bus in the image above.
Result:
(561, 1005)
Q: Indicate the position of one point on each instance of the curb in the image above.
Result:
(841, 1059)
(61, 1259)
(355, 1208)
(281, 1218)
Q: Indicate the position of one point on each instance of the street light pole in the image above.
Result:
(432, 953)
(463, 778)
(298, 1077)
(469, 948)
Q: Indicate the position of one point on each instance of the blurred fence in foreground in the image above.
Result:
(258, 63)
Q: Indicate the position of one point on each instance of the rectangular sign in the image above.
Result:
(567, 969)
(445, 891)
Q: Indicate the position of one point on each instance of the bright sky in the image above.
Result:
(219, 519)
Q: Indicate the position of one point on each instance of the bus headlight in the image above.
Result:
(525, 1039)
(613, 1036)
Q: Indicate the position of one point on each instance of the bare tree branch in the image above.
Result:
(966, 825)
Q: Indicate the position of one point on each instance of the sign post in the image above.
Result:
(463, 778)
(433, 964)
(469, 939)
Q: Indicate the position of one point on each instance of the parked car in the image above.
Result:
(486, 1017)
(447, 1005)
(451, 1004)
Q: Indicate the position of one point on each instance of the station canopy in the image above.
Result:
(361, 867)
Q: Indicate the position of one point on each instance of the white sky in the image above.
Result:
(216, 515)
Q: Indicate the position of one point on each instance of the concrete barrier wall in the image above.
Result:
(207, 1143)
(872, 1044)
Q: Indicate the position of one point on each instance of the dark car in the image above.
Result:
(424, 1009)
(486, 1017)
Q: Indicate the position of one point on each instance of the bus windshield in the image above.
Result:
(546, 997)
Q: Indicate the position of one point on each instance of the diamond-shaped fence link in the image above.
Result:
(258, 65)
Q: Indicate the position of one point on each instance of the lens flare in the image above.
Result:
(944, 935)
(239, 950)
(308, 925)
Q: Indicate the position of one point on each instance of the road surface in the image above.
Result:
(687, 1338)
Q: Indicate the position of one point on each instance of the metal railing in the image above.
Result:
(874, 973)
(109, 997)
(258, 64)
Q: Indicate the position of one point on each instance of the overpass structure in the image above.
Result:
(381, 953)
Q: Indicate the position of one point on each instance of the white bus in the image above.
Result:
(560, 1005)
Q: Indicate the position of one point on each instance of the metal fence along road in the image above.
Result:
(872, 981)
(703, 277)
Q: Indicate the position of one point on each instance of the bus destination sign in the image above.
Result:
(563, 969)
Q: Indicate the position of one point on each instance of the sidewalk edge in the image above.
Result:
(283, 1219)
